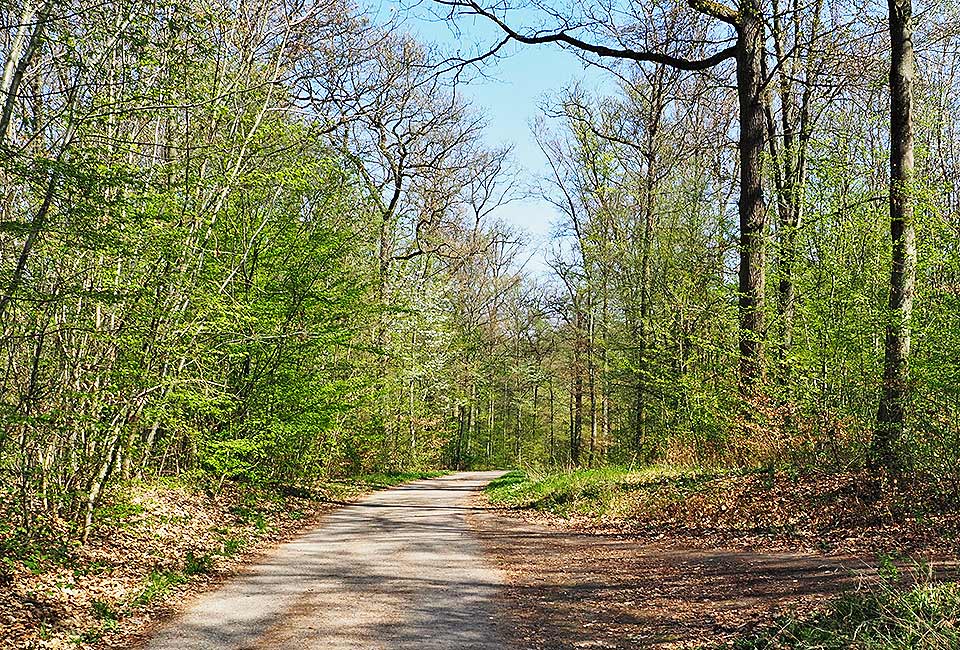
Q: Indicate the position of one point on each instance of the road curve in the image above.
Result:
(399, 569)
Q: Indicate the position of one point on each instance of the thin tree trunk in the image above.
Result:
(553, 456)
(643, 329)
(577, 419)
(471, 419)
(490, 421)
(591, 387)
(17, 62)
(790, 162)
(99, 482)
(536, 402)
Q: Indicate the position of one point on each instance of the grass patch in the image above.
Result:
(889, 617)
(231, 546)
(607, 492)
(108, 620)
(251, 515)
(93, 635)
(103, 611)
(342, 489)
(119, 512)
(390, 479)
(195, 564)
(158, 584)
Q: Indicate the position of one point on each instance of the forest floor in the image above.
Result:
(154, 544)
(610, 559)
(615, 559)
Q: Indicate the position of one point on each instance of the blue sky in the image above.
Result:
(509, 97)
(510, 101)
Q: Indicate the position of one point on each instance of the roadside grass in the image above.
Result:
(366, 482)
(889, 616)
(852, 511)
(158, 584)
(608, 493)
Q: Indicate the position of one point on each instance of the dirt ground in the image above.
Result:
(574, 589)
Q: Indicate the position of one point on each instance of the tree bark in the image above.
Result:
(750, 44)
(891, 414)
(576, 426)
(646, 268)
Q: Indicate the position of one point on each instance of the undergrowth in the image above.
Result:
(887, 616)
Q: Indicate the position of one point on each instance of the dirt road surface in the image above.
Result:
(399, 569)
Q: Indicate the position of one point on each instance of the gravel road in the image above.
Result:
(399, 569)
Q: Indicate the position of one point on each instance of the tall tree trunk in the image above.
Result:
(536, 406)
(576, 424)
(891, 412)
(643, 329)
(471, 422)
(458, 451)
(750, 44)
(553, 457)
(591, 385)
(490, 413)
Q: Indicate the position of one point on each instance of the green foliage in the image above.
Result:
(47, 544)
(104, 611)
(197, 564)
(219, 285)
(250, 515)
(231, 546)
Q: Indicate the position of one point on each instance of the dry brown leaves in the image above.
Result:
(849, 513)
(702, 564)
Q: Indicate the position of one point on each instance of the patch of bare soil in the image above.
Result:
(572, 588)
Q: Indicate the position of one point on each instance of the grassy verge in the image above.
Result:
(609, 493)
(925, 616)
(339, 489)
(153, 541)
(850, 512)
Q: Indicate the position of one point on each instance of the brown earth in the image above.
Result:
(598, 589)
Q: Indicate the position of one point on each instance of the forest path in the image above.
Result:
(398, 569)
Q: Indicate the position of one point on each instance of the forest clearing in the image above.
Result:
(468, 324)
